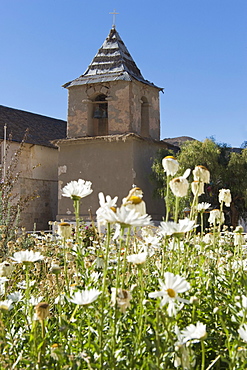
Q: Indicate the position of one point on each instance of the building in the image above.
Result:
(37, 163)
(113, 130)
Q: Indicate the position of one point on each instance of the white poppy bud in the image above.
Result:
(216, 217)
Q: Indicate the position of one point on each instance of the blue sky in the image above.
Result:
(195, 49)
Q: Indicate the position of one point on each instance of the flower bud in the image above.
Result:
(64, 230)
(42, 310)
(6, 268)
(55, 268)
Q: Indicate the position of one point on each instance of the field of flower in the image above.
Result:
(125, 294)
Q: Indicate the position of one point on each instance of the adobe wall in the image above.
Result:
(107, 164)
(112, 166)
(41, 210)
(38, 174)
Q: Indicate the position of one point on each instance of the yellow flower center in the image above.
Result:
(135, 200)
(64, 224)
(114, 209)
(4, 307)
(170, 157)
(171, 293)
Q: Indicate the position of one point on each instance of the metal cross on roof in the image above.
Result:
(114, 17)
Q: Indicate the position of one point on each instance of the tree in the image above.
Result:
(228, 170)
(11, 203)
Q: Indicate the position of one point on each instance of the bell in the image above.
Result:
(97, 113)
(104, 114)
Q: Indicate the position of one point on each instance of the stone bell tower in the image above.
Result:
(113, 130)
(112, 97)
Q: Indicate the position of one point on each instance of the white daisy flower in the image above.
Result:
(216, 217)
(125, 217)
(77, 189)
(6, 305)
(27, 256)
(2, 289)
(61, 299)
(15, 296)
(170, 165)
(201, 207)
(208, 238)
(33, 301)
(180, 185)
(85, 297)
(153, 241)
(242, 305)
(183, 351)
(242, 331)
(202, 174)
(23, 284)
(197, 188)
(174, 284)
(95, 276)
(138, 258)
(173, 228)
(225, 196)
(191, 331)
(3, 280)
(106, 203)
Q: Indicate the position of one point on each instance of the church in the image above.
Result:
(111, 137)
(113, 131)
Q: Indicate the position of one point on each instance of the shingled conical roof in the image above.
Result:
(112, 62)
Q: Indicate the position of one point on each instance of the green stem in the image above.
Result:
(65, 266)
(167, 197)
(115, 320)
(141, 315)
(108, 238)
(157, 337)
(221, 212)
(125, 257)
(194, 205)
(76, 204)
(74, 312)
(42, 349)
(176, 210)
(27, 293)
(119, 256)
(201, 224)
(203, 355)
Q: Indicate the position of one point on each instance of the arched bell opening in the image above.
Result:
(100, 115)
